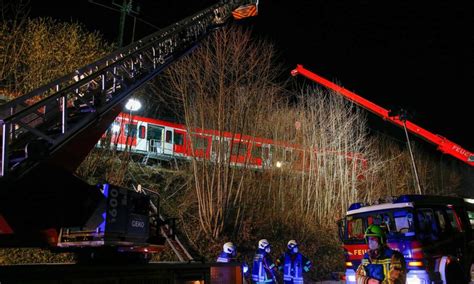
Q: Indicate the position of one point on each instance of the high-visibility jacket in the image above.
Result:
(262, 269)
(389, 267)
(225, 257)
(293, 266)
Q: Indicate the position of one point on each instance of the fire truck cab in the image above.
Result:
(434, 233)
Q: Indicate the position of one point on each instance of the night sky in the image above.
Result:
(414, 55)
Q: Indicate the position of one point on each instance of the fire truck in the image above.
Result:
(434, 234)
(46, 134)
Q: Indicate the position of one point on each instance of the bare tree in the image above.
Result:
(226, 85)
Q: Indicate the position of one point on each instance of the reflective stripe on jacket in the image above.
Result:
(387, 268)
(262, 267)
(224, 257)
(293, 266)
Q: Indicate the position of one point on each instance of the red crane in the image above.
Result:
(444, 145)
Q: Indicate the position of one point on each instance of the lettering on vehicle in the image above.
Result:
(113, 202)
(138, 224)
(359, 251)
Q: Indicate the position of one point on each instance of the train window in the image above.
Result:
(130, 130)
(168, 136)
(178, 139)
(200, 142)
(141, 132)
(239, 149)
(155, 133)
(256, 151)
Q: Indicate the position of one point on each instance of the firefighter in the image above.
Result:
(229, 254)
(293, 264)
(380, 264)
(263, 269)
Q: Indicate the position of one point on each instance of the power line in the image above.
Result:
(125, 9)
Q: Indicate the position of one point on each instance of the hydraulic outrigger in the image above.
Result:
(444, 145)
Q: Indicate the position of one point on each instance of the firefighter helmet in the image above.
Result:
(263, 243)
(229, 248)
(375, 231)
(292, 244)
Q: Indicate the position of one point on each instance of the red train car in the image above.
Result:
(163, 140)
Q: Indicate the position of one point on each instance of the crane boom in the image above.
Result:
(444, 145)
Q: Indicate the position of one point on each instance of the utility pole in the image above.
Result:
(125, 9)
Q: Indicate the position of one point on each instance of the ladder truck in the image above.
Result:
(45, 135)
(444, 145)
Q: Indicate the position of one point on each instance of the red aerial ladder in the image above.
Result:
(443, 144)
(45, 134)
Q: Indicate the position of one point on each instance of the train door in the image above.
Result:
(266, 156)
(141, 137)
(168, 141)
(155, 139)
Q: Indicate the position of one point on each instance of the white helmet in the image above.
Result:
(263, 243)
(229, 248)
(292, 244)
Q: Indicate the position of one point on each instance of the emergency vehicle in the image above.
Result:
(47, 133)
(434, 234)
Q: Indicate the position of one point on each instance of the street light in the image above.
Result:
(131, 130)
(133, 105)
